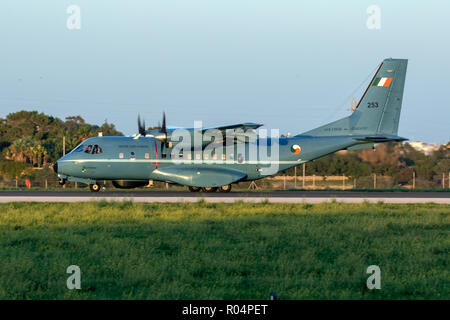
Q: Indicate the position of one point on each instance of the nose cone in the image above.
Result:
(55, 167)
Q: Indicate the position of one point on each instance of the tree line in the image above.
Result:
(29, 139)
(32, 139)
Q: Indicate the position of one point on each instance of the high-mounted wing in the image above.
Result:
(164, 133)
(244, 126)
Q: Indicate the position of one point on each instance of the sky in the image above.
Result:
(291, 65)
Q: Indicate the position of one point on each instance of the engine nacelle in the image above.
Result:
(129, 184)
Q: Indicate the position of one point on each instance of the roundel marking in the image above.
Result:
(295, 149)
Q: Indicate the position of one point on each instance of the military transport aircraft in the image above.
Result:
(131, 162)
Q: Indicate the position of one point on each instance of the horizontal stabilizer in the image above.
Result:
(381, 138)
(361, 146)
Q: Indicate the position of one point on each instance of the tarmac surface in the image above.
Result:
(184, 196)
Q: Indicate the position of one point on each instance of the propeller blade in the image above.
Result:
(163, 128)
(163, 152)
(141, 126)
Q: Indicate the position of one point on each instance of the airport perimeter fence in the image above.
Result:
(372, 182)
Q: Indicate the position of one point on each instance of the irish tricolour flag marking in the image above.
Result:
(382, 82)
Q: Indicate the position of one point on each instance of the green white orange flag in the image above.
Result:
(382, 82)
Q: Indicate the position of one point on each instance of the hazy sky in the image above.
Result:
(292, 65)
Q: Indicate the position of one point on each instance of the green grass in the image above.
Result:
(224, 251)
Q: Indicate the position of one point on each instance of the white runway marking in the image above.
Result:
(309, 200)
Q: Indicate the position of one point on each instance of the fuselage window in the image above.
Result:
(147, 155)
(121, 155)
(88, 149)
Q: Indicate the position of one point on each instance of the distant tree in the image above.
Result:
(36, 138)
(76, 119)
(12, 169)
(109, 129)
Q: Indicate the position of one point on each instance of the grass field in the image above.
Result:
(224, 251)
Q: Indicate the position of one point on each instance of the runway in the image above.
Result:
(181, 196)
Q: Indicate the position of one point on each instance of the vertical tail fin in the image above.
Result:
(378, 111)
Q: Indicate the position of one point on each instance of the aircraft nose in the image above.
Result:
(55, 167)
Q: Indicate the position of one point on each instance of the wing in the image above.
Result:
(240, 136)
(244, 126)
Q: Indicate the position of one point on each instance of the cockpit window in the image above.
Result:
(97, 149)
(80, 148)
(90, 149)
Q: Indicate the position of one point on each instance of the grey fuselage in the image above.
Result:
(126, 158)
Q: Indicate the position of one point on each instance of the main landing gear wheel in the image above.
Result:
(194, 189)
(226, 188)
(209, 189)
(62, 182)
(94, 187)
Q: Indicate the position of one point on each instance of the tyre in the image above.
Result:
(209, 189)
(194, 189)
(94, 187)
(62, 182)
(225, 188)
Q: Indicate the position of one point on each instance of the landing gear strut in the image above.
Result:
(209, 189)
(94, 187)
(225, 188)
